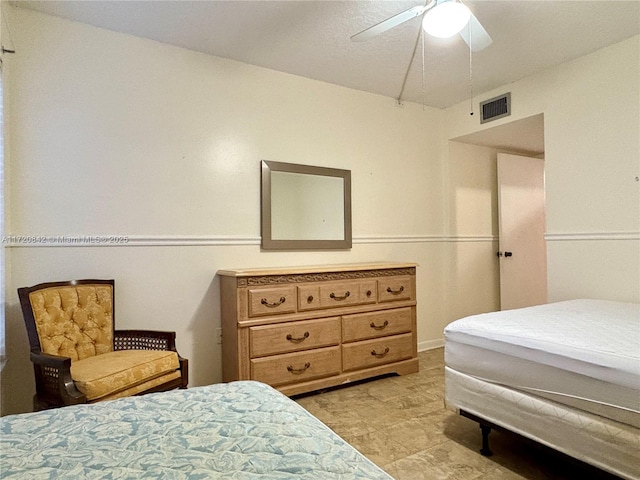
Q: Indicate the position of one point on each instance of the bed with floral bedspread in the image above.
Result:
(239, 430)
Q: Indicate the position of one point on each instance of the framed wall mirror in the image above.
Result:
(305, 207)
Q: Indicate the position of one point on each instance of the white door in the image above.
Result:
(521, 213)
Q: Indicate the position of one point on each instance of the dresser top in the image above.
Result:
(351, 267)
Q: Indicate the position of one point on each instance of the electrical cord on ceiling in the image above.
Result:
(423, 72)
(470, 68)
(406, 75)
(413, 56)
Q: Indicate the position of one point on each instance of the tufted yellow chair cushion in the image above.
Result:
(107, 375)
(74, 321)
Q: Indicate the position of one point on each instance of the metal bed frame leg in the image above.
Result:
(485, 450)
(485, 428)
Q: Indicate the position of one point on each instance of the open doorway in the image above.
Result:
(521, 254)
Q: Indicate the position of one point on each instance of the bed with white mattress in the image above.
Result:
(565, 374)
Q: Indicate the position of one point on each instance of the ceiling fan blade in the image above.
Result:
(391, 22)
(475, 35)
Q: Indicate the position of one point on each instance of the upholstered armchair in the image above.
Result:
(78, 356)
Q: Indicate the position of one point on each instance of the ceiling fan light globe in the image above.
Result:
(446, 19)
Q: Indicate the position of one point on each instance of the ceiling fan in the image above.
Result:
(442, 18)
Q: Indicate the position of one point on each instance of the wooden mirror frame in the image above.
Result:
(268, 243)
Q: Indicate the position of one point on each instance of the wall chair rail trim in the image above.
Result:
(581, 236)
(74, 241)
(425, 239)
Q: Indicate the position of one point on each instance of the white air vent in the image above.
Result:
(495, 108)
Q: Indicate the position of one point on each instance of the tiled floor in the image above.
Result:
(401, 424)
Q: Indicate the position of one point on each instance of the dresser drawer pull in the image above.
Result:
(379, 327)
(293, 339)
(274, 304)
(338, 298)
(298, 370)
(395, 292)
(310, 299)
(380, 355)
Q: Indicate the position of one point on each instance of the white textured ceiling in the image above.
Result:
(310, 38)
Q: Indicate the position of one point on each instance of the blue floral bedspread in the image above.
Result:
(240, 430)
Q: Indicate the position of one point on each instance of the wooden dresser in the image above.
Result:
(305, 328)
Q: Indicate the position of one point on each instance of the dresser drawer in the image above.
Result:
(272, 301)
(293, 336)
(363, 326)
(370, 353)
(296, 367)
(337, 294)
(391, 289)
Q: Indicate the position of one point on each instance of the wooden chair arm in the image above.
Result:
(53, 380)
(144, 340)
(54, 361)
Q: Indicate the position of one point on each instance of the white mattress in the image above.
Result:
(581, 353)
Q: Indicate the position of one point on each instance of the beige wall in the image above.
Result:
(591, 110)
(115, 135)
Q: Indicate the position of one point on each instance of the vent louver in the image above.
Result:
(495, 108)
